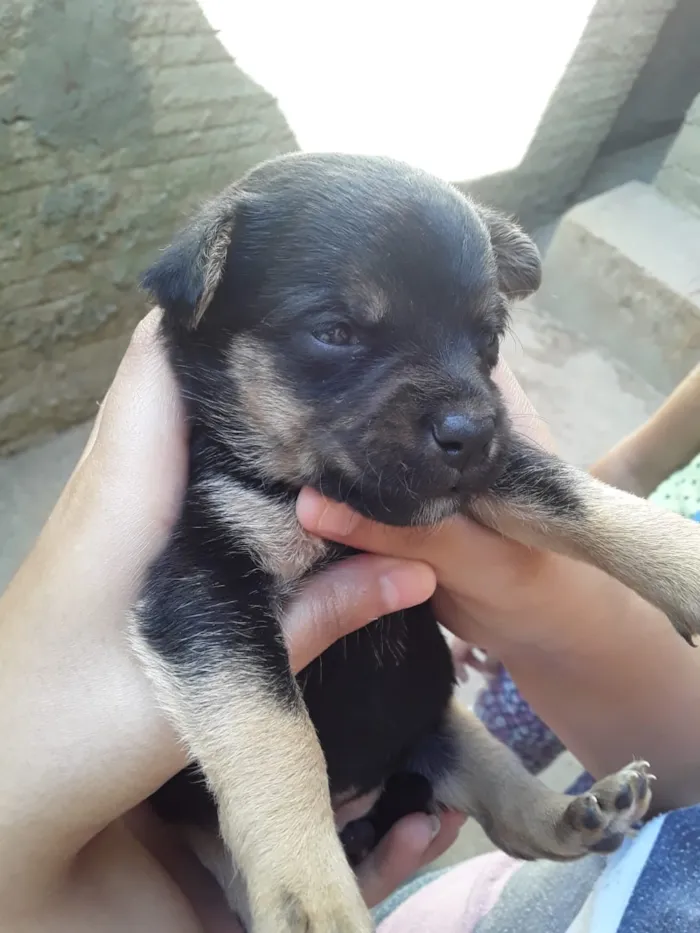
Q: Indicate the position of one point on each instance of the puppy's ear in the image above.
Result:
(184, 279)
(517, 258)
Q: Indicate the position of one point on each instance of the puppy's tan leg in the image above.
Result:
(263, 762)
(544, 502)
(520, 814)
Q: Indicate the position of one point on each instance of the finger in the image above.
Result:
(143, 343)
(412, 843)
(355, 809)
(90, 443)
(456, 547)
(142, 411)
(461, 650)
(132, 473)
(349, 595)
(398, 856)
(338, 522)
(450, 825)
(483, 662)
(451, 544)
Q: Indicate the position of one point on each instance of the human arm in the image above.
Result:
(603, 668)
(663, 444)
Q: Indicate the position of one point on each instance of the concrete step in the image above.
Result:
(624, 269)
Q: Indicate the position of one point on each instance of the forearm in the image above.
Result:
(662, 445)
(618, 684)
(70, 695)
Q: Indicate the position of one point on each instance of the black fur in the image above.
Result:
(307, 245)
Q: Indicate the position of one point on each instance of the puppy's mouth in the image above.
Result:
(479, 478)
(421, 498)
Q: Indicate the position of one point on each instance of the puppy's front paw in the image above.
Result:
(324, 916)
(601, 818)
(327, 908)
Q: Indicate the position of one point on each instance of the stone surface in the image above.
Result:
(30, 483)
(612, 51)
(639, 163)
(116, 117)
(586, 397)
(679, 176)
(666, 85)
(623, 268)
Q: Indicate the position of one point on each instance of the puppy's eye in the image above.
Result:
(337, 334)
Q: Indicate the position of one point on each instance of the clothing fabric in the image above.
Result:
(510, 719)
(681, 491)
(651, 885)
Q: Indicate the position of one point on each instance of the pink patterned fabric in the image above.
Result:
(457, 900)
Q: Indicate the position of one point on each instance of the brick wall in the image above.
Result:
(116, 117)
(679, 176)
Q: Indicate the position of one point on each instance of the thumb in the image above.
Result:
(411, 844)
(347, 596)
(129, 482)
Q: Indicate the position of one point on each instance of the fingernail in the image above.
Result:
(94, 431)
(337, 520)
(400, 587)
(390, 591)
(435, 826)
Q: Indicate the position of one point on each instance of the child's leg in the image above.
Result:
(681, 492)
(509, 718)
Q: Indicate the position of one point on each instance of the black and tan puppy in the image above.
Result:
(334, 321)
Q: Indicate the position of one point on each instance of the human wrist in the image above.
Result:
(570, 602)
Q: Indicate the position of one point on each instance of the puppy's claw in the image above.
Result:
(612, 808)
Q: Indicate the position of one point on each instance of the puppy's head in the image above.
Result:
(334, 321)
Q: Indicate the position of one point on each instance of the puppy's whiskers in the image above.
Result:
(403, 477)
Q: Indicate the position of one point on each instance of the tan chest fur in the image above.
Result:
(267, 527)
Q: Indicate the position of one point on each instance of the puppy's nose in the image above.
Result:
(462, 437)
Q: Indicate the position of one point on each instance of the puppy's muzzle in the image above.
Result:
(462, 440)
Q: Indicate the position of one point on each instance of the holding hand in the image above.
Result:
(84, 742)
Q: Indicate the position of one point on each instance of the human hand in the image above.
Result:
(492, 592)
(466, 656)
(598, 664)
(411, 844)
(84, 741)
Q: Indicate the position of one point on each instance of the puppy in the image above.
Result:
(334, 321)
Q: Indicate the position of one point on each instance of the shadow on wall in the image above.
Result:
(116, 117)
(667, 84)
